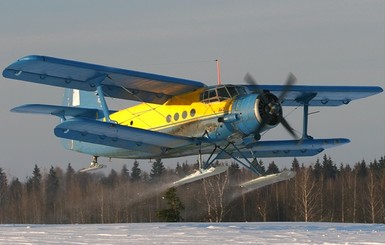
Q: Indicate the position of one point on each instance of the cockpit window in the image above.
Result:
(212, 93)
(233, 92)
(241, 90)
(222, 93)
(209, 94)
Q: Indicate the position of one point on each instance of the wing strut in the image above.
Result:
(97, 81)
(106, 112)
(305, 101)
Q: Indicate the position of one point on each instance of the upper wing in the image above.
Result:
(319, 95)
(117, 83)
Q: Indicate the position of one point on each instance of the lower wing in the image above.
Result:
(124, 137)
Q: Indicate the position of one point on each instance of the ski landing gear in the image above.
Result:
(94, 165)
(207, 170)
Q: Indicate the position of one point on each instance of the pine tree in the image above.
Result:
(171, 214)
(179, 170)
(124, 174)
(329, 168)
(15, 190)
(36, 178)
(157, 169)
(259, 166)
(362, 169)
(3, 187)
(69, 175)
(382, 162)
(35, 195)
(15, 198)
(136, 172)
(111, 180)
(51, 191)
(186, 168)
(295, 165)
(272, 168)
(317, 169)
(233, 168)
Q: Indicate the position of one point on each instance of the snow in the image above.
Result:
(195, 233)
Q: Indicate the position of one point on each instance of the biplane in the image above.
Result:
(178, 117)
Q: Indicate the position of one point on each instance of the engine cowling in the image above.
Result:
(254, 110)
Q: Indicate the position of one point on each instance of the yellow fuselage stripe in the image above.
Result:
(176, 112)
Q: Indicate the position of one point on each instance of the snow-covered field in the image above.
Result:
(195, 233)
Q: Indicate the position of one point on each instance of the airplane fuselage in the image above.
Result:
(221, 114)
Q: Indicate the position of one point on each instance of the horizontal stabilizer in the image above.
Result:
(267, 180)
(198, 175)
(60, 111)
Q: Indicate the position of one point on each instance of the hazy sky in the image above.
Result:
(321, 42)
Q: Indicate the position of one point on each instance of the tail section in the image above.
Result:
(80, 98)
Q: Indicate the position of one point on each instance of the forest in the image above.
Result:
(321, 191)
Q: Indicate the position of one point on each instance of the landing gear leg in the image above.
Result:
(94, 162)
(204, 170)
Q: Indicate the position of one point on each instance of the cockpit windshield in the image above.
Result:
(221, 93)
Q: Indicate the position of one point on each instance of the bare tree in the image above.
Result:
(214, 191)
(374, 201)
(307, 194)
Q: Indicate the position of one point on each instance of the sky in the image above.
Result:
(321, 42)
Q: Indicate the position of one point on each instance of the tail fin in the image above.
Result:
(80, 98)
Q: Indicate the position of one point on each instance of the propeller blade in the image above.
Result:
(291, 79)
(249, 79)
(286, 125)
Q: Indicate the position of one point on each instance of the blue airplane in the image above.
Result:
(177, 117)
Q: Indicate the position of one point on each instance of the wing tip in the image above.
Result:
(32, 57)
(13, 70)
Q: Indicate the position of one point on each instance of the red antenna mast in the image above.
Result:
(218, 71)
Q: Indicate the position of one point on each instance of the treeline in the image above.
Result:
(320, 191)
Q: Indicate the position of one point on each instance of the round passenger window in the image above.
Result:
(192, 112)
(176, 116)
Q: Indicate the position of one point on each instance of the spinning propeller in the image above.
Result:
(270, 105)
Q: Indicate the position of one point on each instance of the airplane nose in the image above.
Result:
(274, 108)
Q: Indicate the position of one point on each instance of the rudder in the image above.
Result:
(81, 98)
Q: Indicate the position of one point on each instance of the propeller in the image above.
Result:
(271, 104)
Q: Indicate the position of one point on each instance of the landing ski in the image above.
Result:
(267, 180)
(198, 175)
(92, 168)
